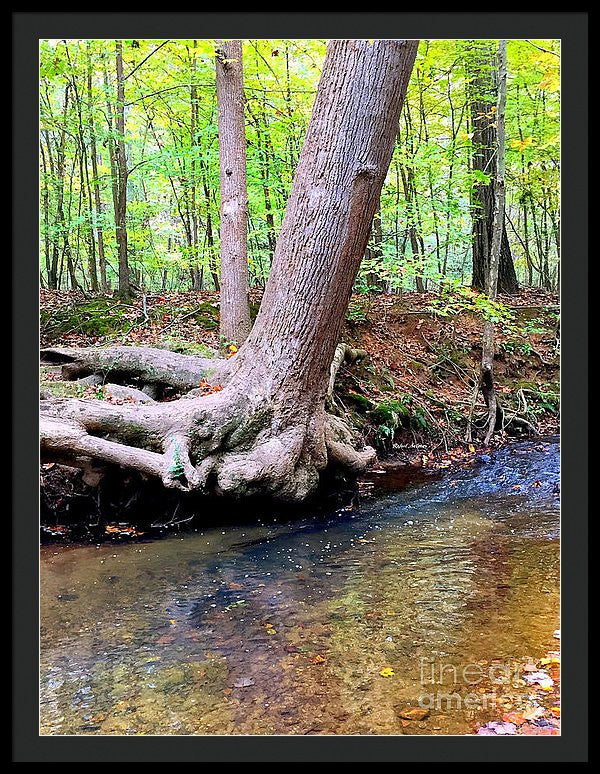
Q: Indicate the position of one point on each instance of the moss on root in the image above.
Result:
(183, 347)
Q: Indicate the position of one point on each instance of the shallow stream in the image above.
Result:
(286, 628)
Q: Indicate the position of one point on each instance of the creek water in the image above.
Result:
(285, 628)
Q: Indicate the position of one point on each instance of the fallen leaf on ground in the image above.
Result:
(413, 713)
(243, 682)
(496, 728)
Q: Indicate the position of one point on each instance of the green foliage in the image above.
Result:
(513, 346)
(454, 299)
(423, 228)
(356, 313)
(539, 400)
(390, 416)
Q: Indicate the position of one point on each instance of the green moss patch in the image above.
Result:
(100, 317)
(183, 347)
(391, 416)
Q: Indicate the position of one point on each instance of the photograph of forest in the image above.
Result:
(299, 386)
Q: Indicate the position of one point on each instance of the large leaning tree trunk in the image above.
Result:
(481, 66)
(267, 431)
(235, 310)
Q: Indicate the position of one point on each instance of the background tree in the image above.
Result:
(122, 174)
(423, 237)
(235, 310)
(493, 420)
(481, 68)
(95, 179)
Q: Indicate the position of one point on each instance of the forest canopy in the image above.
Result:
(421, 234)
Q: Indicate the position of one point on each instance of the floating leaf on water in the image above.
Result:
(233, 605)
(540, 678)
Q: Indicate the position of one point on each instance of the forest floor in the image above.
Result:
(411, 396)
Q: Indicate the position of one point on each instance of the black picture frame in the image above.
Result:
(27, 29)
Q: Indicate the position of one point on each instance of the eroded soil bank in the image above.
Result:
(413, 389)
(410, 397)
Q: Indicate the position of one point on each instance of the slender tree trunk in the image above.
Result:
(84, 175)
(95, 182)
(53, 281)
(267, 430)
(59, 174)
(263, 147)
(416, 240)
(432, 197)
(121, 164)
(235, 310)
(197, 279)
(374, 252)
(67, 252)
(112, 152)
(494, 418)
(46, 213)
(210, 240)
(483, 126)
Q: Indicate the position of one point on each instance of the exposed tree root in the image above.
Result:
(343, 354)
(145, 365)
(341, 443)
(240, 441)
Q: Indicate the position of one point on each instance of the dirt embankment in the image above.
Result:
(411, 396)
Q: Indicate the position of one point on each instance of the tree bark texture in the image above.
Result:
(235, 310)
(482, 93)
(121, 165)
(498, 232)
